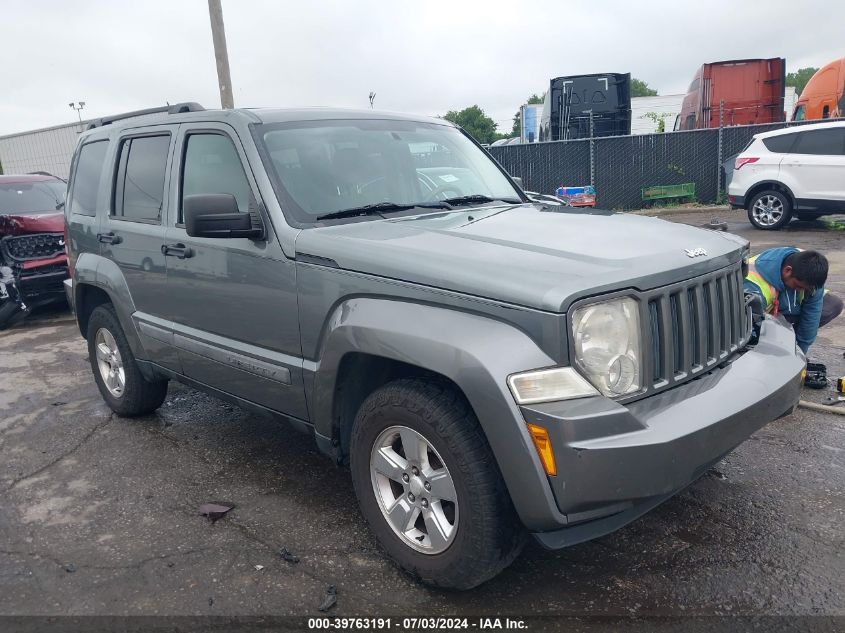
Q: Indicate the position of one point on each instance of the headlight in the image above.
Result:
(607, 345)
(547, 385)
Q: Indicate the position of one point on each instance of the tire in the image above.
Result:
(136, 395)
(486, 534)
(10, 313)
(770, 210)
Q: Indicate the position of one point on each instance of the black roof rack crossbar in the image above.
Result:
(176, 108)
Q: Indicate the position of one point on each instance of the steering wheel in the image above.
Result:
(432, 195)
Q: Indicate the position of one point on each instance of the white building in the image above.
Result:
(669, 106)
(666, 107)
(49, 149)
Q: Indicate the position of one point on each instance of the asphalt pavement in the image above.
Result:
(99, 514)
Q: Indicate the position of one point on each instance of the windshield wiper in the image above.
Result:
(378, 208)
(60, 205)
(477, 199)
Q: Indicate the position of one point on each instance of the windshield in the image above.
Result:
(323, 167)
(29, 198)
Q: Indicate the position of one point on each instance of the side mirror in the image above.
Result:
(216, 215)
(518, 181)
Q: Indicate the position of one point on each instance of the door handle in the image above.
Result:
(179, 250)
(109, 238)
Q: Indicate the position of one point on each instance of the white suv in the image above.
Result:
(797, 171)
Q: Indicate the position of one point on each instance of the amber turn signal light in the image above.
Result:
(543, 444)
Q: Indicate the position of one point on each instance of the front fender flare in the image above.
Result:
(474, 351)
(757, 187)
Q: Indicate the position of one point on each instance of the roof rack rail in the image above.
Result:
(176, 108)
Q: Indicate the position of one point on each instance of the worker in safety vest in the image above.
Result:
(791, 282)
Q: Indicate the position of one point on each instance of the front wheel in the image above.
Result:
(428, 485)
(769, 210)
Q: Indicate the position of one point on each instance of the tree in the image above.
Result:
(477, 124)
(517, 118)
(658, 118)
(639, 88)
(799, 78)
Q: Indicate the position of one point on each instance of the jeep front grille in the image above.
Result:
(693, 326)
(21, 248)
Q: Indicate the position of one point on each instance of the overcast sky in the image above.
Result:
(425, 57)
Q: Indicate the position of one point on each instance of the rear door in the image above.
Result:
(232, 300)
(84, 198)
(817, 161)
(132, 233)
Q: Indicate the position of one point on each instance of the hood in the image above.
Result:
(40, 223)
(527, 255)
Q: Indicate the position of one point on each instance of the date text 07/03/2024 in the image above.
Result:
(416, 624)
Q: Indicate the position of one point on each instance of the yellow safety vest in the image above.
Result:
(769, 292)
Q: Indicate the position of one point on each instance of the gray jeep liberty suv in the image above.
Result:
(487, 366)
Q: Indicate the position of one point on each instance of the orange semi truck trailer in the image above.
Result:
(752, 91)
(824, 95)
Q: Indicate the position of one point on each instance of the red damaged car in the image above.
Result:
(33, 264)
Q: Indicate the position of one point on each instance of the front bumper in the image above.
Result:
(43, 285)
(616, 462)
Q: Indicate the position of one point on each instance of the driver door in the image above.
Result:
(232, 301)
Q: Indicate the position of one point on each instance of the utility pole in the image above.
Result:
(719, 151)
(592, 151)
(218, 34)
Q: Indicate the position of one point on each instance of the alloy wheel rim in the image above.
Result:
(109, 362)
(414, 490)
(768, 210)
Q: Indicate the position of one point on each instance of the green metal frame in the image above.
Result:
(659, 192)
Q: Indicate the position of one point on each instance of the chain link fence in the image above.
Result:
(544, 167)
(622, 166)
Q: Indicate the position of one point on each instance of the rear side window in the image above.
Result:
(212, 165)
(139, 189)
(86, 178)
(829, 142)
(780, 144)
